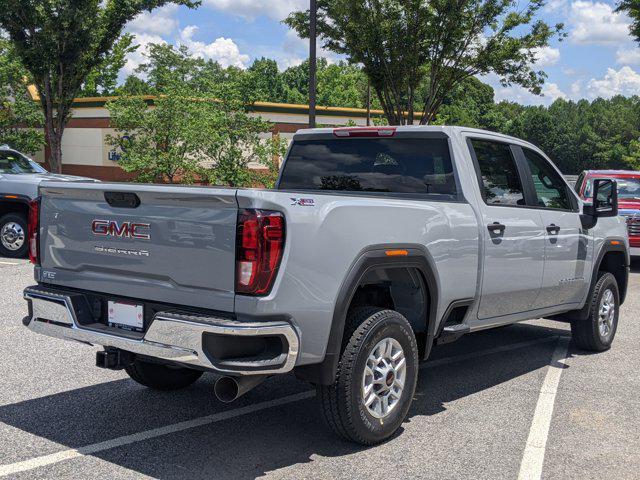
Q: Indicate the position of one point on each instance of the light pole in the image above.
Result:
(313, 14)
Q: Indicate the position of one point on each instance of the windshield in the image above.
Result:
(628, 188)
(12, 162)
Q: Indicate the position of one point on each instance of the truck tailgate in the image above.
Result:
(177, 246)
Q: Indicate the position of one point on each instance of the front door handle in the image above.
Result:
(496, 228)
(553, 228)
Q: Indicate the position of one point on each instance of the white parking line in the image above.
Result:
(45, 460)
(58, 457)
(533, 458)
(8, 263)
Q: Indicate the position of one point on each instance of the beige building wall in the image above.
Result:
(86, 152)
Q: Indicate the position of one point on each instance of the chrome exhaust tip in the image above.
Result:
(228, 389)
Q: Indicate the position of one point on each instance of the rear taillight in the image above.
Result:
(33, 228)
(259, 247)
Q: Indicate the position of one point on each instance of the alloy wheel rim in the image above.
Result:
(606, 313)
(12, 236)
(385, 373)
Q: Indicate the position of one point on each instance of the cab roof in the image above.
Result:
(592, 173)
(449, 130)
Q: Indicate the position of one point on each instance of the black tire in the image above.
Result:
(21, 222)
(342, 402)
(586, 332)
(161, 377)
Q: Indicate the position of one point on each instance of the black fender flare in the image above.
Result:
(14, 198)
(7, 200)
(612, 244)
(371, 258)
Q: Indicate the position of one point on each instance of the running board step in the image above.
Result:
(451, 333)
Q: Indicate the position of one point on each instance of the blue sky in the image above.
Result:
(597, 59)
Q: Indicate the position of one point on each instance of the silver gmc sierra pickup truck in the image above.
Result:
(19, 180)
(375, 244)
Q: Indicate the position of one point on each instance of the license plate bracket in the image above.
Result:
(128, 316)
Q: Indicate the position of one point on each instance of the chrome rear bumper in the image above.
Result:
(171, 337)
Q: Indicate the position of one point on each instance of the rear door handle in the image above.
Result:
(496, 227)
(553, 228)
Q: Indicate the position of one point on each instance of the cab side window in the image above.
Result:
(551, 189)
(500, 181)
(579, 183)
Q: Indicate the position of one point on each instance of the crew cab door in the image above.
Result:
(513, 234)
(566, 243)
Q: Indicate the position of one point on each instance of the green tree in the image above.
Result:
(338, 85)
(415, 52)
(631, 8)
(158, 144)
(470, 104)
(60, 42)
(198, 128)
(133, 86)
(343, 85)
(20, 117)
(266, 81)
(103, 79)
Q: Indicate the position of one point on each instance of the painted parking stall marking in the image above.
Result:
(70, 454)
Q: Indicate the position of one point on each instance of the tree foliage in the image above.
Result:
(60, 42)
(198, 127)
(415, 52)
(20, 117)
(632, 8)
(103, 79)
(578, 135)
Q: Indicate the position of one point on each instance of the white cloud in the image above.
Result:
(552, 92)
(295, 50)
(546, 56)
(555, 5)
(251, 9)
(625, 81)
(134, 59)
(576, 89)
(596, 23)
(160, 21)
(628, 55)
(149, 27)
(516, 93)
(223, 50)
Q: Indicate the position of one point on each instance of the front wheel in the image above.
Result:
(376, 377)
(597, 331)
(13, 235)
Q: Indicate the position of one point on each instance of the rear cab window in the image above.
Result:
(500, 181)
(402, 166)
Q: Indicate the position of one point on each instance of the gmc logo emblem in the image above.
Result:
(111, 228)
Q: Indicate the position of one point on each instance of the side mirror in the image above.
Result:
(605, 202)
(605, 197)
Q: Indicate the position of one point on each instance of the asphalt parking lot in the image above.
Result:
(482, 409)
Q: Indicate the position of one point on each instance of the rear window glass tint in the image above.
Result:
(388, 165)
(501, 183)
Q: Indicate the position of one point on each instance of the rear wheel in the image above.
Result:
(161, 377)
(13, 235)
(376, 377)
(597, 331)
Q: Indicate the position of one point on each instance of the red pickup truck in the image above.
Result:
(628, 198)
